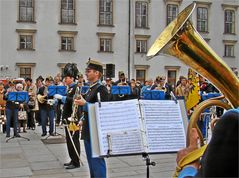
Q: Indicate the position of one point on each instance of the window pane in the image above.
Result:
(29, 14)
(229, 50)
(105, 14)
(23, 13)
(23, 3)
(229, 21)
(202, 19)
(141, 14)
(172, 12)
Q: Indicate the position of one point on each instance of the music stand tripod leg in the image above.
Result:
(55, 133)
(17, 137)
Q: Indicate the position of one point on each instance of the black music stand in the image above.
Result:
(148, 162)
(18, 97)
(52, 90)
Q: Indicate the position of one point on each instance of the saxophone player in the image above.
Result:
(93, 73)
(70, 73)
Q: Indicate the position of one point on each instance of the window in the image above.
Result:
(25, 69)
(26, 10)
(67, 12)
(25, 72)
(105, 45)
(202, 19)
(67, 40)
(141, 46)
(141, 14)
(105, 42)
(229, 21)
(172, 77)
(172, 72)
(106, 12)
(141, 43)
(67, 43)
(26, 39)
(229, 50)
(172, 12)
(141, 75)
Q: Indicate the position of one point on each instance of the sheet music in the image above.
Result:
(164, 125)
(131, 139)
(120, 116)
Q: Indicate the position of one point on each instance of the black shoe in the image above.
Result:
(68, 164)
(7, 136)
(72, 166)
(51, 134)
(44, 134)
(17, 135)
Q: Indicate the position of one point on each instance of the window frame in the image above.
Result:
(67, 10)
(230, 53)
(141, 15)
(33, 12)
(234, 8)
(105, 36)
(105, 12)
(170, 80)
(26, 33)
(229, 43)
(141, 38)
(68, 35)
(231, 23)
(25, 66)
(201, 20)
(172, 18)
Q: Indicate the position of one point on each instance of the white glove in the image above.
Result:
(57, 96)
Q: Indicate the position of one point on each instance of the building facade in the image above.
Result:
(38, 37)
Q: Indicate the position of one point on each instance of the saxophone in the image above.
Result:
(77, 95)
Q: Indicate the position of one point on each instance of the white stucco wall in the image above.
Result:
(47, 40)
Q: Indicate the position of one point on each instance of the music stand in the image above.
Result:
(148, 162)
(52, 90)
(18, 97)
(153, 95)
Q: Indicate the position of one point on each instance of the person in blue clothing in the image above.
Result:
(93, 73)
(220, 158)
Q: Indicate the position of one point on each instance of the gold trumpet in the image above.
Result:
(180, 39)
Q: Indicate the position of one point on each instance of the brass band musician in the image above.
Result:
(72, 130)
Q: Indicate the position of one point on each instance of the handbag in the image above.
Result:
(22, 115)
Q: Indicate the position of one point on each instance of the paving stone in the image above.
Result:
(16, 172)
(45, 165)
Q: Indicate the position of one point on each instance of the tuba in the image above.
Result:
(181, 40)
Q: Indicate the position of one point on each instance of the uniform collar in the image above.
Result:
(95, 83)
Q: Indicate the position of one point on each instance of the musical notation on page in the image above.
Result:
(113, 117)
(164, 126)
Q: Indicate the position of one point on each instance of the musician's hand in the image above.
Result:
(192, 146)
(21, 106)
(58, 96)
(80, 102)
(80, 124)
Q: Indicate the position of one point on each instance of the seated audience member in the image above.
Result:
(220, 158)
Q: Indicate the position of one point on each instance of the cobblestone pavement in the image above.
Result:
(23, 159)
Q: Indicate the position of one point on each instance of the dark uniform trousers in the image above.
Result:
(67, 111)
(97, 166)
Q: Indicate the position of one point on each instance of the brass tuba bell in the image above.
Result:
(181, 40)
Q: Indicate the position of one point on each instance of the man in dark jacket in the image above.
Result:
(70, 73)
(94, 72)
